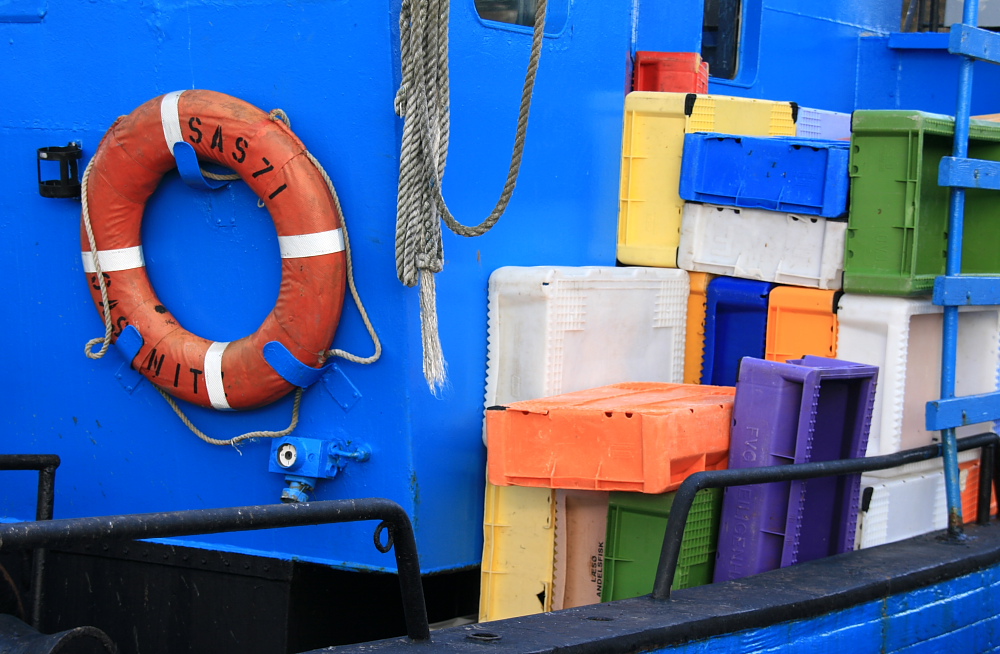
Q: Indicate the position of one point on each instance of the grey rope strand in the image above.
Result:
(236, 439)
(423, 101)
(220, 177)
(522, 129)
(105, 340)
(350, 280)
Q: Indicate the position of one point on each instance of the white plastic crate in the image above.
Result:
(907, 504)
(901, 508)
(555, 330)
(902, 336)
(821, 124)
(769, 246)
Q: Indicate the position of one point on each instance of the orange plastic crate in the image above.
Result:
(800, 321)
(645, 437)
(970, 491)
(694, 340)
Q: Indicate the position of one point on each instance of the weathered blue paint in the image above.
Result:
(966, 290)
(668, 26)
(895, 78)
(961, 615)
(969, 173)
(213, 255)
(22, 11)
(784, 41)
(974, 42)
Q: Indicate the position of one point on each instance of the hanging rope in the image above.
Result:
(276, 114)
(423, 101)
(236, 440)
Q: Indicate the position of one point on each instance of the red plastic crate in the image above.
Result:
(679, 72)
(645, 437)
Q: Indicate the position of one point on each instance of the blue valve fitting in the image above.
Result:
(304, 461)
(298, 489)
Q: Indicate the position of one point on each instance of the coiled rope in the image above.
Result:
(423, 101)
(276, 114)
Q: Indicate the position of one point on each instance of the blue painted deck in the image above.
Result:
(962, 615)
(333, 67)
(920, 595)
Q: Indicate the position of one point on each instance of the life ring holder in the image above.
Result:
(290, 347)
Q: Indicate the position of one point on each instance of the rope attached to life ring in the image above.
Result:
(105, 341)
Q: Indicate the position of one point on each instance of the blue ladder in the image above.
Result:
(953, 290)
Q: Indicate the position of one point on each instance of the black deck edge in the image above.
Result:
(802, 591)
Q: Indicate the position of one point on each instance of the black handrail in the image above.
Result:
(793, 472)
(24, 535)
(46, 465)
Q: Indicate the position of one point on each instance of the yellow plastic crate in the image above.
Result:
(649, 219)
(694, 340)
(518, 542)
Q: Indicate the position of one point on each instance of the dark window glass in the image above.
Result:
(517, 12)
(720, 37)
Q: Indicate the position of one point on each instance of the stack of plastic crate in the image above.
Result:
(896, 245)
(769, 214)
(659, 130)
(555, 330)
(564, 445)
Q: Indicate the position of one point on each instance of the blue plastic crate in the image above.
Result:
(735, 327)
(796, 175)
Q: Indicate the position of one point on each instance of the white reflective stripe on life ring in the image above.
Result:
(311, 245)
(170, 117)
(213, 376)
(114, 260)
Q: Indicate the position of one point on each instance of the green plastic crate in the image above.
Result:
(897, 230)
(636, 524)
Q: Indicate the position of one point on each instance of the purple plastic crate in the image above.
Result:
(810, 409)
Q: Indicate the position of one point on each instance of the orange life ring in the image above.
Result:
(130, 161)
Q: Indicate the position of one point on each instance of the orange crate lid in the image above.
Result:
(645, 437)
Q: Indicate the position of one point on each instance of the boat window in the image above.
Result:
(517, 12)
(720, 37)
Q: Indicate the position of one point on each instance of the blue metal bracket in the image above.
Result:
(340, 388)
(961, 411)
(966, 290)
(918, 41)
(291, 369)
(969, 173)
(190, 169)
(23, 11)
(974, 42)
(129, 342)
(295, 372)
